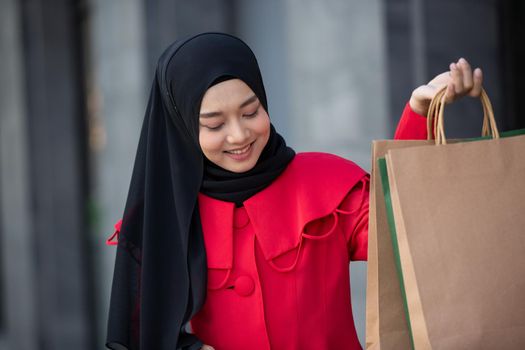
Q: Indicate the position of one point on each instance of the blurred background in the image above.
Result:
(75, 77)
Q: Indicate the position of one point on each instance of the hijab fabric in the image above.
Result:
(160, 271)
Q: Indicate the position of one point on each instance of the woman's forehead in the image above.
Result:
(228, 93)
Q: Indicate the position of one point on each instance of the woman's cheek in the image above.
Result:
(265, 126)
(210, 141)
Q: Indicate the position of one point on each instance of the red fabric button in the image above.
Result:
(244, 286)
(240, 218)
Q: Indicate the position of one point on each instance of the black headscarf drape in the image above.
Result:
(159, 280)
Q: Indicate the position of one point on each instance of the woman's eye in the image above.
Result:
(251, 115)
(213, 128)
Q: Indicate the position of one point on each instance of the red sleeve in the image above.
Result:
(353, 210)
(113, 239)
(412, 126)
(353, 216)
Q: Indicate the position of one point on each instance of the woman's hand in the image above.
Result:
(460, 81)
(207, 347)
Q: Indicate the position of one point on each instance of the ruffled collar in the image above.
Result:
(311, 187)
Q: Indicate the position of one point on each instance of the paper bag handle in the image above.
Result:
(435, 124)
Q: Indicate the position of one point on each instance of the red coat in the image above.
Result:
(278, 267)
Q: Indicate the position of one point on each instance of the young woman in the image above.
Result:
(226, 228)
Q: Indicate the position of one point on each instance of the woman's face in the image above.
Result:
(233, 126)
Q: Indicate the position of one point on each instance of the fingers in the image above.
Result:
(207, 347)
(460, 81)
(463, 81)
(467, 74)
(478, 83)
(456, 73)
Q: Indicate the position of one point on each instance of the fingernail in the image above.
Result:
(462, 60)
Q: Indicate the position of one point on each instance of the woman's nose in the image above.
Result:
(238, 134)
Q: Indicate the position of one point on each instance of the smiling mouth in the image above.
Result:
(241, 150)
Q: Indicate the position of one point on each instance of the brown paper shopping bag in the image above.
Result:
(459, 238)
(386, 324)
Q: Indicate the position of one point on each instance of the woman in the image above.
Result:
(226, 228)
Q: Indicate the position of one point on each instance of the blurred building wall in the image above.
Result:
(48, 285)
(75, 81)
(337, 97)
(424, 37)
(18, 326)
(116, 95)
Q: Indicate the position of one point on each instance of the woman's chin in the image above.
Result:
(239, 168)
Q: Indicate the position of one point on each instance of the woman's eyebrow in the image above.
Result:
(210, 114)
(250, 100)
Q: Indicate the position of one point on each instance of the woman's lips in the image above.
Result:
(241, 153)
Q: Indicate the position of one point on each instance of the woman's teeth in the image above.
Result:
(240, 151)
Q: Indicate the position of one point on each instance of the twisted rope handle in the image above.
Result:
(435, 119)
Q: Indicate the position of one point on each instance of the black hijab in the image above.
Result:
(160, 273)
